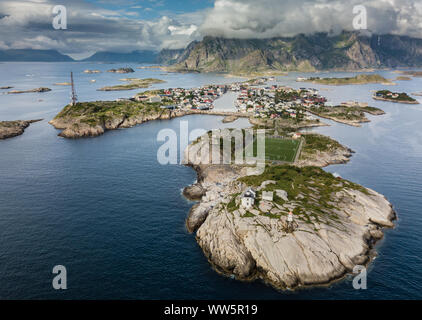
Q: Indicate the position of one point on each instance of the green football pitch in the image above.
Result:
(279, 149)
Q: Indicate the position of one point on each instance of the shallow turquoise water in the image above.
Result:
(106, 209)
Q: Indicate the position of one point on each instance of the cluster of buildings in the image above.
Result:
(179, 98)
(254, 97)
(248, 201)
(384, 94)
(278, 101)
(197, 98)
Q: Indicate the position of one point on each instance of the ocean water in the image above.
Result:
(104, 207)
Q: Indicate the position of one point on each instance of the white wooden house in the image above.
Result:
(248, 198)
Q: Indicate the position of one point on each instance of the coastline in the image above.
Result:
(73, 129)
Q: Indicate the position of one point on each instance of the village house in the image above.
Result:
(296, 135)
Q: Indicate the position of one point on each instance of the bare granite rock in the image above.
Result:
(9, 129)
(313, 250)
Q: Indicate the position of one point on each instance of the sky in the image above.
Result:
(127, 25)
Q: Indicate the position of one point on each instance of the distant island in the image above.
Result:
(121, 70)
(9, 129)
(36, 90)
(359, 79)
(403, 78)
(412, 73)
(386, 95)
(134, 83)
(91, 71)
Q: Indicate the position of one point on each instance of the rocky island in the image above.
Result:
(359, 79)
(90, 119)
(9, 129)
(121, 70)
(386, 95)
(412, 73)
(133, 83)
(42, 89)
(350, 115)
(403, 78)
(304, 227)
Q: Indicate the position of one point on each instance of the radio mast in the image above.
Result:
(74, 97)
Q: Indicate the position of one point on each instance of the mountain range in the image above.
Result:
(140, 56)
(320, 51)
(33, 55)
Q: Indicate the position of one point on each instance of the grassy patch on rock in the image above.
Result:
(133, 84)
(98, 112)
(311, 191)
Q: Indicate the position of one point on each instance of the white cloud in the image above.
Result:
(187, 31)
(273, 18)
(28, 24)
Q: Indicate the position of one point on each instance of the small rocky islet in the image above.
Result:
(133, 83)
(396, 97)
(121, 70)
(356, 80)
(10, 129)
(36, 90)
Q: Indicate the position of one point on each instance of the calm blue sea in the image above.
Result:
(104, 208)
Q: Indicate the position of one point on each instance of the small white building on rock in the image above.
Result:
(248, 198)
(267, 195)
(155, 99)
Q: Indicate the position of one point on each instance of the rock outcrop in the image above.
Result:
(9, 129)
(336, 222)
(90, 119)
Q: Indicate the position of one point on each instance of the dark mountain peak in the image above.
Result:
(347, 50)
